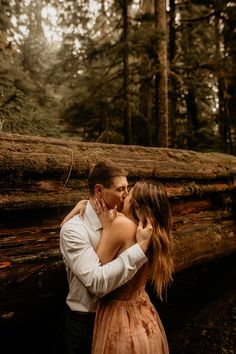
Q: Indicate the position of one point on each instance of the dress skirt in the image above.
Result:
(128, 324)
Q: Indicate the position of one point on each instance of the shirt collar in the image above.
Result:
(92, 217)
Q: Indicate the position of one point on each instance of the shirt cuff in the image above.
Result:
(136, 254)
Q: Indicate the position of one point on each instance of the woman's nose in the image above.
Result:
(126, 192)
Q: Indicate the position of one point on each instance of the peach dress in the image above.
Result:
(127, 322)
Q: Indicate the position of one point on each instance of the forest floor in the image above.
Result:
(202, 316)
(211, 331)
(199, 316)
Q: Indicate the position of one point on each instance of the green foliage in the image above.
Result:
(22, 115)
(74, 86)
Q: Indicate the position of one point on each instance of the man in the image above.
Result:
(87, 278)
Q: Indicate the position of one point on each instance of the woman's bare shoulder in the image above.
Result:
(122, 219)
(123, 230)
(122, 222)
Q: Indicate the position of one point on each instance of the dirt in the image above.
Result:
(211, 331)
(200, 316)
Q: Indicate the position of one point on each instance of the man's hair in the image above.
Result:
(103, 173)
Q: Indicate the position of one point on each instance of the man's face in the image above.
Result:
(115, 194)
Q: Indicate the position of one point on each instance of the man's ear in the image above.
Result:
(98, 190)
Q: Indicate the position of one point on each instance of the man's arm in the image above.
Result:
(79, 209)
(83, 261)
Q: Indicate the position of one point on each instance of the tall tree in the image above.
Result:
(146, 73)
(161, 81)
(173, 83)
(127, 112)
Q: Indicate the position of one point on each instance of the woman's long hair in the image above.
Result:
(150, 201)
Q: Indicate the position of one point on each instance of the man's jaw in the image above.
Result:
(120, 207)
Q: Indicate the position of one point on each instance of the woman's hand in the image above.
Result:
(144, 235)
(79, 209)
(106, 216)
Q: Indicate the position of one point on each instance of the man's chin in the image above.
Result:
(120, 208)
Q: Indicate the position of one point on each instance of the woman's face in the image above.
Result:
(126, 205)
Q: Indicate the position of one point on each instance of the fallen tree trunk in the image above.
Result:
(42, 178)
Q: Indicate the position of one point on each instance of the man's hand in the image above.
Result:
(144, 235)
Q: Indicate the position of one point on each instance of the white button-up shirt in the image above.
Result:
(87, 278)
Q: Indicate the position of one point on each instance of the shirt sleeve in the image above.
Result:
(82, 260)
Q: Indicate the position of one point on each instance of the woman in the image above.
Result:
(126, 320)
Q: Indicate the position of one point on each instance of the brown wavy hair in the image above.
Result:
(150, 201)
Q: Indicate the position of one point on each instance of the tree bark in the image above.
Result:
(42, 178)
(161, 80)
(173, 84)
(127, 111)
(145, 131)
